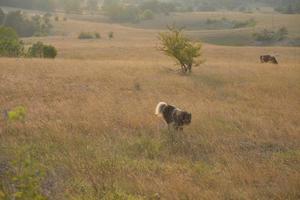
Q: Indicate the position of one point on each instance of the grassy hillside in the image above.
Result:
(219, 34)
(90, 130)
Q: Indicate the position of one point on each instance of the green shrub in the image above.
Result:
(88, 35)
(39, 50)
(10, 44)
(36, 50)
(49, 51)
(23, 181)
(17, 114)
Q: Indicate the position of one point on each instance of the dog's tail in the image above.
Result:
(159, 107)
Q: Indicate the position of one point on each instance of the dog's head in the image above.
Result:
(273, 60)
(186, 118)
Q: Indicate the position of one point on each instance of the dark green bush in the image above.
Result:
(89, 35)
(86, 35)
(39, 50)
(36, 50)
(49, 51)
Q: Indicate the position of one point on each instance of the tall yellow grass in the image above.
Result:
(90, 122)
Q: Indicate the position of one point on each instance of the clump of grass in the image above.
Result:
(23, 179)
(16, 114)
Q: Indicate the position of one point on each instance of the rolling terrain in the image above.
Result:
(90, 131)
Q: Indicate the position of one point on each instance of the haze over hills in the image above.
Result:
(200, 5)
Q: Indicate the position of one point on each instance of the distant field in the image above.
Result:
(236, 37)
(195, 24)
(90, 130)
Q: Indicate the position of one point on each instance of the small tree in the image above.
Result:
(175, 44)
(10, 44)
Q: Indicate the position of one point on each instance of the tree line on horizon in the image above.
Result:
(283, 6)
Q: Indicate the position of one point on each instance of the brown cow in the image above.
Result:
(268, 59)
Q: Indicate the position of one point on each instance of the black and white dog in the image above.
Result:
(173, 116)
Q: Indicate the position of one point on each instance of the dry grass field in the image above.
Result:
(90, 130)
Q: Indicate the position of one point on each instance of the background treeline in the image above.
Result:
(26, 26)
(12, 46)
(119, 11)
(284, 6)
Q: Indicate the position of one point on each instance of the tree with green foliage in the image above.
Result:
(39, 50)
(27, 26)
(176, 45)
(42, 25)
(10, 44)
(49, 51)
(36, 50)
(23, 26)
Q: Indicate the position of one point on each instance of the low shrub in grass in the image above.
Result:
(16, 114)
(22, 179)
(49, 51)
(40, 50)
(89, 35)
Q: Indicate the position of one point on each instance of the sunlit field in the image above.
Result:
(90, 131)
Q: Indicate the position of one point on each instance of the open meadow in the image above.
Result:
(90, 131)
